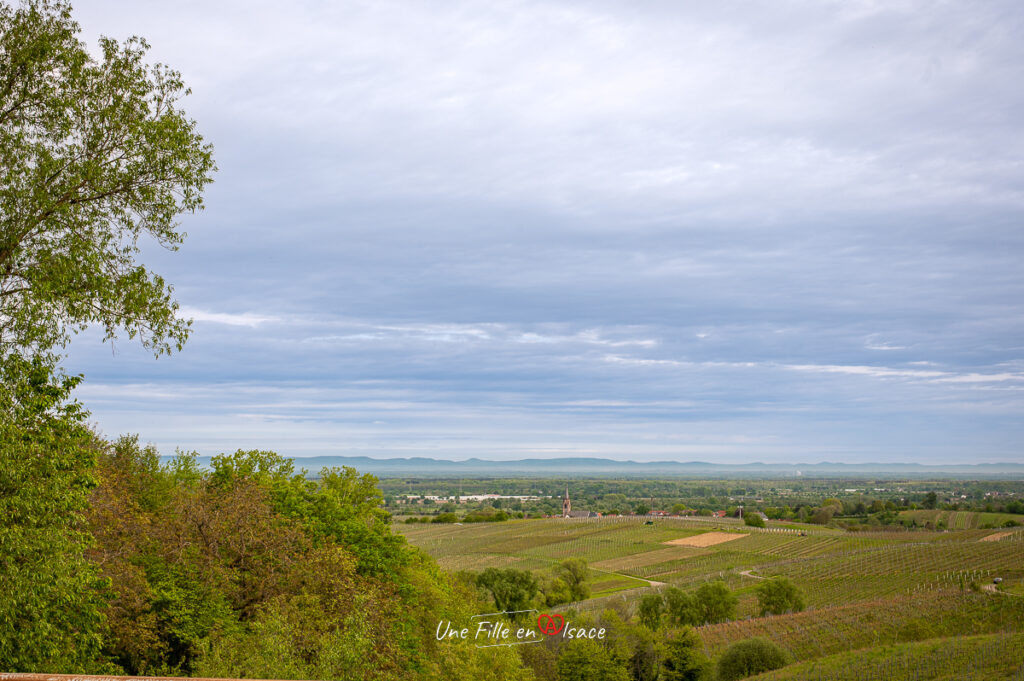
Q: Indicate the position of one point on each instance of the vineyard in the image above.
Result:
(962, 658)
(881, 591)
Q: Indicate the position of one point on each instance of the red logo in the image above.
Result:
(550, 624)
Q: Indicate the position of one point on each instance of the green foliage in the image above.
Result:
(684, 660)
(340, 506)
(753, 520)
(94, 155)
(650, 610)
(749, 657)
(554, 590)
(586, 660)
(682, 608)
(715, 602)
(486, 515)
(779, 595)
(637, 647)
(51, 610)
(510, 588)
(575, 574)
(252, 571)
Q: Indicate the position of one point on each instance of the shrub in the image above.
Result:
(753, 520)
(749, 657)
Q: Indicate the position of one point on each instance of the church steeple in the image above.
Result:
(566, 504)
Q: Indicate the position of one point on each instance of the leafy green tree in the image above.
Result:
(95, 154)
(753, 520)
(682, 608)
(575, 575)
(749, 657)
(341, 505)
(586, 660)
(684, 660)
(51, 610)
(510, 588)
(715, 602)
(651, 608)
(778, 595)
(555, 591)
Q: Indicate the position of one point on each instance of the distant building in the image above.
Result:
(567, 511)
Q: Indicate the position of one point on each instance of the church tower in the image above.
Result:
(566, 504)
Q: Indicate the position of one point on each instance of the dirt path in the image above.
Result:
(746, 573)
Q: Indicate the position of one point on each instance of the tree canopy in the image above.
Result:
(95, 154)
(778, 595)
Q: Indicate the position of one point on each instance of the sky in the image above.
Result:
(723, 231)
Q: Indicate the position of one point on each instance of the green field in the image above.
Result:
(870, 596)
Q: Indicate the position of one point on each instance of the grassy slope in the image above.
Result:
(811, 634)
(996, 657)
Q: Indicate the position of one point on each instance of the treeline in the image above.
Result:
(115, 563)
(851, 511)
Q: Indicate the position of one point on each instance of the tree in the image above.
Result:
(94, 155)
(554, 590)
(753, 520)
(585, 660)
(684, 660)
(50, 613)
(749, 657)
(511, 589)
(574, 573)
(779, 595)
(651, 608)
(931, 500)
(715, 602)
(682, 608)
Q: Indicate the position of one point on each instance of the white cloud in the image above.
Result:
(249, 319)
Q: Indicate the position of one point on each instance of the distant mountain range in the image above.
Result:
(593, 467)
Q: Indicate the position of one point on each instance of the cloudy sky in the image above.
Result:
(641, 230)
